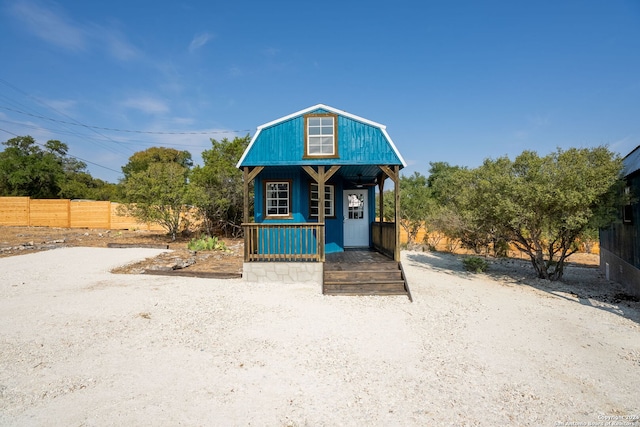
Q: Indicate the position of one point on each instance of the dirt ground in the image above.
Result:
(84, 347)
(22, 240)
(180, 261)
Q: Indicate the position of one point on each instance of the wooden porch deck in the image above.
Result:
(363, 272)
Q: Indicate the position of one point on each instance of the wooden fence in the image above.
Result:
(64, 213)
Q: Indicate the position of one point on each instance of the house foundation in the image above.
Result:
(283, 272)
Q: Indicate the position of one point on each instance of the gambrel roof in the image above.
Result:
(360, 142)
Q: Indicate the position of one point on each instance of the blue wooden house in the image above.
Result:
(314, 174)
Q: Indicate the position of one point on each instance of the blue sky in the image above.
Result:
(454, 81)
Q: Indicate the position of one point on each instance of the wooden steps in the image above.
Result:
(380, 278)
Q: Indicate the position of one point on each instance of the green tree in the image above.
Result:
(141, 160)
(26, 169)
(439, 174)
(416, 204)
(157, 192)
(216, 188)
(544, 205)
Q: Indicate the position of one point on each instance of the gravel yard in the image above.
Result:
(82, 346)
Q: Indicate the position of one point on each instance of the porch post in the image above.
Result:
(321, 177)
(248, 176)
(396, 186)
(245, 182)
(383, 178)
(321, 211)
(394, 174)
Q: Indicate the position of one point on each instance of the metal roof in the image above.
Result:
(631, 162)
(324, 107)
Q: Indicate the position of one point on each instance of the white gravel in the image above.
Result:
(80, 346)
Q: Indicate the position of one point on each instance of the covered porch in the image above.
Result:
(286, 241)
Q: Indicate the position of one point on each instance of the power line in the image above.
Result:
(122, 130)
(69, 155)
(127, 142)
(106, 146)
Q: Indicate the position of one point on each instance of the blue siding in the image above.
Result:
(334, 236)
(362, 145)
(283, 144)
(334, 241)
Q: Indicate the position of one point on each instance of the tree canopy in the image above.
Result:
(216, 188)
(141, 160)
(541, 205)
(41, 171)
(155, 187)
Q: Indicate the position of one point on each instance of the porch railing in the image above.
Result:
(384, 237)
(283, 242)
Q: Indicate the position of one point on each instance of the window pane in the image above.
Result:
(314, 146)
(277, 198)
(314, 130)
(327, 145)
(327, 121)
(326, 130)
(315, 121)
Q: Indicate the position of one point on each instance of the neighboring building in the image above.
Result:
(620, 242)
(290, 161)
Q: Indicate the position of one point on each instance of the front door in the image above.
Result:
(356, 219)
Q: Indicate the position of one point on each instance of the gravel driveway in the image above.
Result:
(81, 346)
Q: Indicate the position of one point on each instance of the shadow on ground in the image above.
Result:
(581, 284)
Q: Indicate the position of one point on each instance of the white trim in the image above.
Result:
(382, 127)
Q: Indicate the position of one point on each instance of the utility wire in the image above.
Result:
(78, 123)
(69, 155)
(121, 130)
(128, 142)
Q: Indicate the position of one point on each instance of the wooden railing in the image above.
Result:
(283, 242)
(384, 237)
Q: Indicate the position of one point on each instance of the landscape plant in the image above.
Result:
(207, 243)
(157, 193)
(541, 205)
(216, 188)
(475, 264)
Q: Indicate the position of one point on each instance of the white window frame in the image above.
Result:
(282, 199)
(321, 135)
(329, 200)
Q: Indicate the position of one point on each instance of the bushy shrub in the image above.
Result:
(207, 244)
(475, 264)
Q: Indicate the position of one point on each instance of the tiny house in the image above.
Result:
(315, 174)
(620, 242)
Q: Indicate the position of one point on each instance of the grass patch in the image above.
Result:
(207, 244)
(475, 264)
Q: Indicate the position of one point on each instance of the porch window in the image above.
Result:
(320, 135)
(277, 198)
(329, 201)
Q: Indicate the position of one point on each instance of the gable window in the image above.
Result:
(320, 135)
(277, 195)
(329, 201)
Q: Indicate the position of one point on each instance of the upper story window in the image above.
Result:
(321, 136)
(277, 198)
